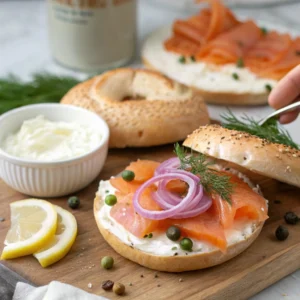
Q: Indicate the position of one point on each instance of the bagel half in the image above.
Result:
(260, 156)
(142, 107)
(180, 263)
(214, 83)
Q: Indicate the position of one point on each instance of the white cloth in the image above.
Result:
(54, 291)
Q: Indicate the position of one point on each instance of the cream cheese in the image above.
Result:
(159, 244)
(210, 78)
(43, 140)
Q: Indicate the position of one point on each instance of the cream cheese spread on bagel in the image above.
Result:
(159, 244)
(199, 75)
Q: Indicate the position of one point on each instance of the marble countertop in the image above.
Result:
(24, 49)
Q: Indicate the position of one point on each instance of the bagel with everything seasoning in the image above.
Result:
(258, 155)
(142, 107)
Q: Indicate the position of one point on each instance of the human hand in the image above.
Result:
(286, 92)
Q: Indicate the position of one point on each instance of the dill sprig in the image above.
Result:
(212, 180)
(270, 130)
(43, 87)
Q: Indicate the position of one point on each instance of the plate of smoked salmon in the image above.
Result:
(227, 59)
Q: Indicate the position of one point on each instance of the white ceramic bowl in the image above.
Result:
(51, 179)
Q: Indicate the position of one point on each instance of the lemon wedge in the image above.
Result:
(33, 223)
(63, 240)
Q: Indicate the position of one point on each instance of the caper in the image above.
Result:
(119, 288)
(111, 200)
(291, 218)
(73, 202)
(281, 233)
(186, 244)
(173, 233)
(107, 262)
(128, 175)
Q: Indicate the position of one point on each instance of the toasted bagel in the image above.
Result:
(272, 160)
(180, 263)
(142, 107)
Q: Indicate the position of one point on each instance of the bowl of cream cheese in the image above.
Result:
(51, 150)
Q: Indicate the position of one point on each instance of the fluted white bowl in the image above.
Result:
(57, 178)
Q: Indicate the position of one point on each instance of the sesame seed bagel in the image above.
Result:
(258, 155)
(142, 107)
(171, 263)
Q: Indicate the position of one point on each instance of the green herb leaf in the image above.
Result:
(150, 235)
(193, 59)
(268, 87)
(264, 30)
(270, 130)
(212, 180)
(181, 59)
(174, 248)
(42, 88)
(240, 63)
(235, 76)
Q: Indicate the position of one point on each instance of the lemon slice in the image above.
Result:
(63, 240)
(33, 223)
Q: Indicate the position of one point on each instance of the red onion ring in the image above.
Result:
(175, 207)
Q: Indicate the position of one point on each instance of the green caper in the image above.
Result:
(111, 200)
(73, 202)
(107, 262)
(186, 244)
(173, 233)
(128, 175)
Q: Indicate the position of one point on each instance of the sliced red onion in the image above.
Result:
(194, 203)
(167, 166)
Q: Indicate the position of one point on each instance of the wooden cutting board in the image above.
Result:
(264, 263)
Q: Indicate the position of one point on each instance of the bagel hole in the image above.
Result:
(133, 97)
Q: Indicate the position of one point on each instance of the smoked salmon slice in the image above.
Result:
(267, 51)
(197, 30)
(209, 226)
(231, 45)
(290, 60)
(123, 212)
(245, 203)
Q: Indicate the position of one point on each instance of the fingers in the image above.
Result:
(289, 117)
(286, 91)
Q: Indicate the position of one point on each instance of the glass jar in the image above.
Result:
(92, 35)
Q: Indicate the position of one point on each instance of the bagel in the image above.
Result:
(142, 107)
(214, 83)
(170, 263)
(258, 155)
(221, 144)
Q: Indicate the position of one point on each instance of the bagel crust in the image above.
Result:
(142, 107)
(272, 160)
(172, 263)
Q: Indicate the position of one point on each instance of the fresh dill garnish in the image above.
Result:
(270, 130)
(240, 63)
(43, 87)
(182, 59)
(213, 182)
(268, 87)
(264, 30)
(235, 76)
